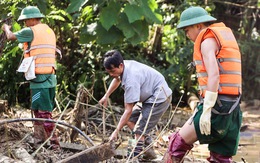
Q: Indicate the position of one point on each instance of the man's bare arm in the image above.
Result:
(9, 34)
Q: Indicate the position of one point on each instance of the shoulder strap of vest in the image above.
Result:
(217, 39)
(231, 109)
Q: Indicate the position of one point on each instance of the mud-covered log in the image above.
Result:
(94, 154)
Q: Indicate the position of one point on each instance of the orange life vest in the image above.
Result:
(228, 58)
(43, 47)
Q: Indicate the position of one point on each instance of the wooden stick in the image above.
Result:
(104, 123)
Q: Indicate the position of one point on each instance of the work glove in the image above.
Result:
(209, 101)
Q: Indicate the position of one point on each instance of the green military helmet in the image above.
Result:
(194, 15)
(30, 12)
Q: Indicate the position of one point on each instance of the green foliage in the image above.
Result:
(251, 69)
(123, 22)
(10, 80)
(143, 30)
(112, 36)
(109, 15)
(75, 6)
(133, 13)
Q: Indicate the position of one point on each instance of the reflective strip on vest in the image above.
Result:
(205, 74)
(229, 60)
(39, 47)
(222, 85)
(198, 62)
(45, 65)
(45, 56)
(44, 46)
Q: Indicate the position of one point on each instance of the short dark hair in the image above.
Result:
(112, 59)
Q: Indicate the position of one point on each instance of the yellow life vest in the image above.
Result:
(228, 58)
(43, 47)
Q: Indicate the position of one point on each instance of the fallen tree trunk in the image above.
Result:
(94, 154)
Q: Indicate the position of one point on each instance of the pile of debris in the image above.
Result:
(83, 132)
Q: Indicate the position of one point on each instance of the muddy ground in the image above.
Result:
(16, 138)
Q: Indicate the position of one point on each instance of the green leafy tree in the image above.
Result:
(143, 30)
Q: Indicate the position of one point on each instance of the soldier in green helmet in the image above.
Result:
(217, 119)
(39, 45)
